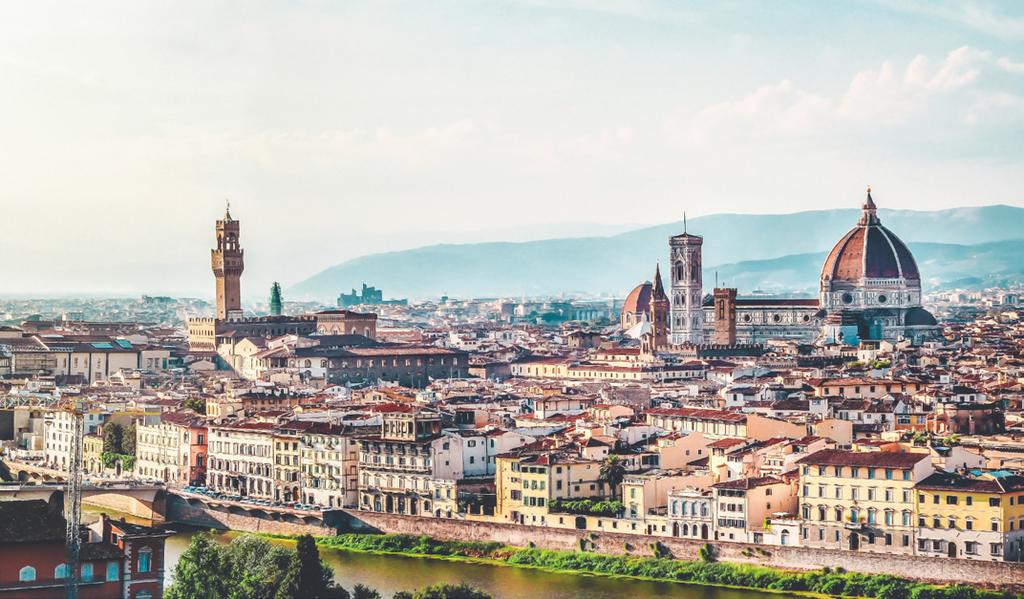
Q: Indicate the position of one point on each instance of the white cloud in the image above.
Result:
(639, 9)
(970, 14)
(1009, 66)
(921, 94)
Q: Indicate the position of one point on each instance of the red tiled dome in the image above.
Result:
(638, 300)
(869, 251)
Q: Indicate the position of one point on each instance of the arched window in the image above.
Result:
(61, 571)
(145, 559)
(86, 572)
(27, 574)
(784, 538)
(112, 571)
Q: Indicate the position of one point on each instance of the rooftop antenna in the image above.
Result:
(716, 278)
(684, 222)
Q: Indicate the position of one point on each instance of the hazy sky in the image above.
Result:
(341, 128)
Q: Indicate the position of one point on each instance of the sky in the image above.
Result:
(339, 129)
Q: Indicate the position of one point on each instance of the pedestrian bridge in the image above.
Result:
(145, 501)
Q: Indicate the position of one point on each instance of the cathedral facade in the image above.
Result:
(870, 289)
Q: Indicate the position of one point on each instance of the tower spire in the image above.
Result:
(684, 222)
(227, 209)
(658, 290)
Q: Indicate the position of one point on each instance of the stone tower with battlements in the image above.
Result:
(228, 261)
(724, 332)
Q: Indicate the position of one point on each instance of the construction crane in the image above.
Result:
(73, 494)
(75, 407)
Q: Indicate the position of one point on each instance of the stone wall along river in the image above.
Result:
(388, 573)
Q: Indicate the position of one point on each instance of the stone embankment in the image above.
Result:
(938, 570)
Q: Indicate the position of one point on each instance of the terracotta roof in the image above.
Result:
(878, 459)
(726, 443)
(748, 483)
(638, 300)
(31, 521)
(950, 481)
(699, 413)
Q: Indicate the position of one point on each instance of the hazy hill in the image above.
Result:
(771, 252)
(943, 265)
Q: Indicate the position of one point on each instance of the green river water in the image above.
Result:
(389, 573)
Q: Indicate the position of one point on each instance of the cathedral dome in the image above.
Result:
(869, 251)
(919, 317)
(638, 300)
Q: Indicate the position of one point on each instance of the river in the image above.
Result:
(389, 573)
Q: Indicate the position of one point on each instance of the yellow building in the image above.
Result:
(287, 465)
(92, 450)
(860, 501)
(971, 517)
(864, 388)
(528, 478)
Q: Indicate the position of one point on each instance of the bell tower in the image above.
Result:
(687, 316)
(659, 309)
(228, 262)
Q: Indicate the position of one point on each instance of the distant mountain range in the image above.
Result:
(771, 252)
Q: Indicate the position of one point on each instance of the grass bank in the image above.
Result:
(835, 582)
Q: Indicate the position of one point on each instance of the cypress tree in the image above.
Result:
(276, 300)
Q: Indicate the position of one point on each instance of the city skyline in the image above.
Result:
(380, 127)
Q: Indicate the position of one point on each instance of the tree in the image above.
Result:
(256, 568)
(276, 301)
(450, 591)
(362, 592)
(251, 568)
(112, 434)
(612, 472)
(128, 440)
(199, 573)
(197, 405)
(307, 576)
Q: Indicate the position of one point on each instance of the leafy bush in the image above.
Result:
(707, 553)
(589, 507)
(449, 591)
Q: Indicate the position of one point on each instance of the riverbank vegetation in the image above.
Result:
(250, 567)
(592, 507)
(836, 582)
